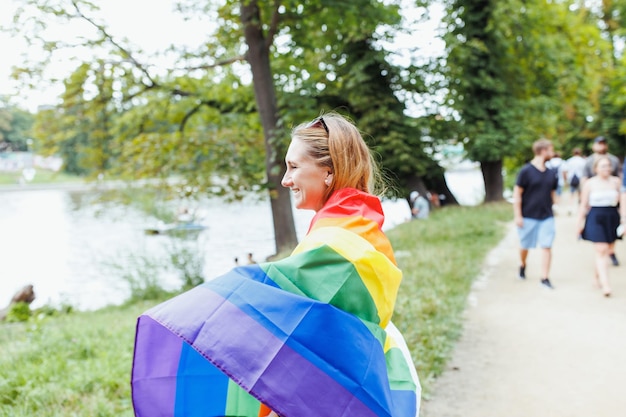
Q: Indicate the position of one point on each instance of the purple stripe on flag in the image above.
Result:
(310, 393)
(246, 351)
(154, 381)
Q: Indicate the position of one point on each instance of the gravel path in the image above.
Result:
(529, 351)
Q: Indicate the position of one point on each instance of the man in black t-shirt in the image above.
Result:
(533, 196)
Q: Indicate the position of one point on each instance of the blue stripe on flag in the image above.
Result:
(201, 388)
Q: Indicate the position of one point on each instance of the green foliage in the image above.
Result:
(48, 310)
(612, 123)
(189, 264)
(515, 70)
(203, 119)
(520, 70)
(143, 275)
(15, 125)
(198, 128)
(150, 277)
(18, 312)
(80, 130)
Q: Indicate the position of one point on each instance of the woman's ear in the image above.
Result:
(329, 179)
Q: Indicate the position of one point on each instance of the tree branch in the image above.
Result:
(269, 40)
(218, 63)
(108, 37)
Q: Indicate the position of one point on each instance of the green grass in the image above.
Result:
(43, 176)
(69, 365)
(440, 258)
(78, 364)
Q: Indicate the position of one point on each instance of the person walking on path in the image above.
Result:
(598, 217)
(572, 175)
(533, 198)
(601, 147)
(557, 164)
(526, 352)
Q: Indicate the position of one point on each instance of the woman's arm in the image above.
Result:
(517, 205)
(621, 187)
(584, 205)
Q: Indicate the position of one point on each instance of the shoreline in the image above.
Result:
(84, 185)
(8, 188)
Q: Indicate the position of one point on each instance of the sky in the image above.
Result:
(127, 18)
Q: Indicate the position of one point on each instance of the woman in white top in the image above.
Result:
(598, 217)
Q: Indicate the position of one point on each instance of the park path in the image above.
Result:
(528, 351)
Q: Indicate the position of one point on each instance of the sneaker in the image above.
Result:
(546, 283)
(614, 259)
(522, 272)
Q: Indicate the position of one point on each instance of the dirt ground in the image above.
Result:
(529, 351)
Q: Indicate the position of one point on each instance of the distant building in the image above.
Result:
(18, 161)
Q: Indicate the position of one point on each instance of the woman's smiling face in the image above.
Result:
(304, 177)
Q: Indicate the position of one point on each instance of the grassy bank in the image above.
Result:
(42, 176)
(440, 259)
(79, 364)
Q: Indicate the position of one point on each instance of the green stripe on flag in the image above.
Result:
(399, 373)
(325, 275)
(240, 403)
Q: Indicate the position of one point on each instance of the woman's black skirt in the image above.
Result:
(601, 224)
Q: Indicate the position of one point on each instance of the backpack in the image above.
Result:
(575, 181)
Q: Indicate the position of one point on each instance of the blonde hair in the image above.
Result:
(342, 150)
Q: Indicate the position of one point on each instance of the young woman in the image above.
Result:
(599, 218)
(309, 335)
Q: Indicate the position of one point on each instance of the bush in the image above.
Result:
(19, 312)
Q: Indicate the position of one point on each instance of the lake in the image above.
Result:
(68, 248)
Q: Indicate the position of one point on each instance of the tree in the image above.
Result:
(517, 71)
(368, 89)
(80, 130)
(15, 125)
(160, 121)
(611, 121)
(259, 42)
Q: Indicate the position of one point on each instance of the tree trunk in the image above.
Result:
(492, 178)
(265, 95)
(440, 186)
(434, 186)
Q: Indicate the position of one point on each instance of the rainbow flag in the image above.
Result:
(305, 336)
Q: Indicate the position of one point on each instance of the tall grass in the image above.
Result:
(79, 364)
(68, 365)
(440, 257)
